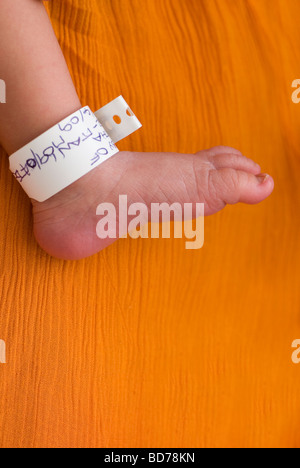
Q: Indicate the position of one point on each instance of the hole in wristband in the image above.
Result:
(117, 119)
(129, 112)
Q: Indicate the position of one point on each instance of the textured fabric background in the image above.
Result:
(147, 344)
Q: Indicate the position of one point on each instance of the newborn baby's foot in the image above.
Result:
(65, 225)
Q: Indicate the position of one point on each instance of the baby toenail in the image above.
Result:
(262, 178)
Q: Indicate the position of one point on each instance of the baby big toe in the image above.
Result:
(230, 186)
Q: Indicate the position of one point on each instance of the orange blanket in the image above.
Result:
(147, 344)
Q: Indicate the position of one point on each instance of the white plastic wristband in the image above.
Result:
(118, 119)
(71, 149)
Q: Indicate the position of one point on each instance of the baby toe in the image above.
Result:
(223, 150)
(237, 162)
(231, 186)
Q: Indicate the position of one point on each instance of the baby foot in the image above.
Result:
(65, 225)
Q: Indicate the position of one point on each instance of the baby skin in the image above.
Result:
(65, 225)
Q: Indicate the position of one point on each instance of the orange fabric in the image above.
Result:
(147, 344)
